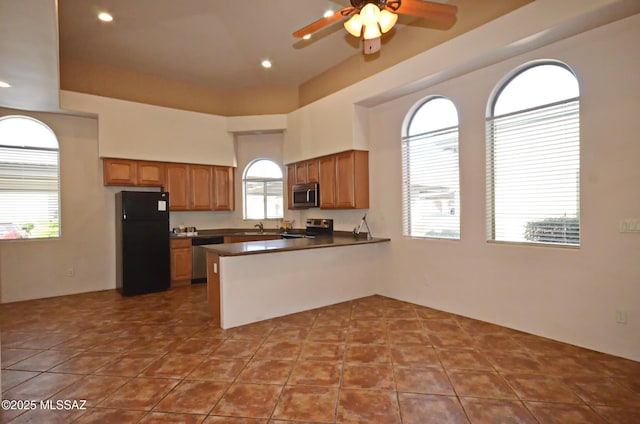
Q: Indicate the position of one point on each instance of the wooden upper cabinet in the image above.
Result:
(119, 172)
(191, 187)
(223, 188)
(301, 172)
(291, 179)
(352, 180)
(177, 184)
(149, 173)
(313, 171)
(327, 174)
(201, 195)
(344, 180)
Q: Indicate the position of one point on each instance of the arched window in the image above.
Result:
(29, 179)
(533, 157)
(263, 189)
(431, 177)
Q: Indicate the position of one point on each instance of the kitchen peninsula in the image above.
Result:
(253, 281)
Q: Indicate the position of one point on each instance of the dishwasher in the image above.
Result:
(199, 257)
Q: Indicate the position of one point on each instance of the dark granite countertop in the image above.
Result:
(268, 246)
(236, 232)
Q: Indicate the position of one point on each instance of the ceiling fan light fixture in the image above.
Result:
(354, 25)
(370, 14)
(387, 20)
(371, 31)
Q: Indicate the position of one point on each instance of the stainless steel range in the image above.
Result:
(315, 227)
(319, 227)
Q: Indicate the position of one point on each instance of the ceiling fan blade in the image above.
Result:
(321, 23)
(428, 9)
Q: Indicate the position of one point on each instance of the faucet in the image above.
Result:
(260, 226)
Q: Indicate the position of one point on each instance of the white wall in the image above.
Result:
(139, 131)
(561, 293)
(38, 268)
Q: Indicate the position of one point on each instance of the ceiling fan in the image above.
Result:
(372, 18)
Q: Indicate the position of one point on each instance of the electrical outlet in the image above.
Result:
(70, 272)
(621, 316)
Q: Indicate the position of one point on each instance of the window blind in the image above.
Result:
(431, 184)
(533, 175)
(29, 187)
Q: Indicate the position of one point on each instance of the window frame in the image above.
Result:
(490, 155)
(265, 181)
(57, 181)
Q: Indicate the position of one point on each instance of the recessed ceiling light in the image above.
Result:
(306, 37)
(105, 17)
(266, 64)
(4, 84)
(328, 13)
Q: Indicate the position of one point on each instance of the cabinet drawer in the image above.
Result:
(180, 243)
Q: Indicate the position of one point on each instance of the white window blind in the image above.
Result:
(29, 179)
(263, 190)
(431, 180)
(533, 168)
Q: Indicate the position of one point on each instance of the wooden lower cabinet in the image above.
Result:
(180, 261)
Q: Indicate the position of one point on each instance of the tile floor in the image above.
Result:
(159, 358)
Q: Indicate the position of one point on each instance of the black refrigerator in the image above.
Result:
(142, 242)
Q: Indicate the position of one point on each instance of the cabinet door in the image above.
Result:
(149, 174)
(201, 192)
(345, 180)
(177, 184)
(119, 172)
(352, 180)
(223, 189)
(291, 179)
(327, 166)
(313, 175)
(180, 260)
(301, 172)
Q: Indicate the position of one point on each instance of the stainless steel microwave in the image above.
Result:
(306, 195)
